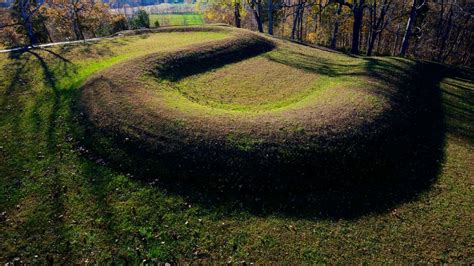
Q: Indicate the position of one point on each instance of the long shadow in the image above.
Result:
(52, 82)
(458, 102)
(314, 64)
(24, 77)
(19, 67)
(365, 174)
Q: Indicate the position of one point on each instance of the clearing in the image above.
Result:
(182, 19)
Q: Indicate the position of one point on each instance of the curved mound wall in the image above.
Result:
(246, 105)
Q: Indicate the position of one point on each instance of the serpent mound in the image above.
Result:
(249, 105)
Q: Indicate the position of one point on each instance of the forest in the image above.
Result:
(439, 30)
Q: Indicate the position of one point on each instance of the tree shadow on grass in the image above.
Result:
(36, 74)
(394, 167)
(458, 101)
(24, 75)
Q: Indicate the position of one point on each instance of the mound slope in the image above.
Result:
(338, 118)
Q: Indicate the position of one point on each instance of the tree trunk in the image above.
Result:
(27, 23)
(370, 46)
(31, 33)
(372, 27)
(457, 40)
(295, 22)
(238, 23)
(379, 42)
(258, 17)
(408, 31)
(283, 23)
(77, 31)
(358, 16)
(395, 43)
(416, 46)
(439, 27)
(270, 17)
(256, 6)
(300, 35)
(336, 28)
(467, 55)
(76, 22)
(377, 25)
(445, 36)
(47, 32)
(397, 34)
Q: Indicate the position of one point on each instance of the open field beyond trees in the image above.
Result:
(213, 144)
(185, 19)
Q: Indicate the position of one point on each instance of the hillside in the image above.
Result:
(214, 144)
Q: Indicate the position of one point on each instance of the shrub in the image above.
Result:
(141, 19)
(119, 23)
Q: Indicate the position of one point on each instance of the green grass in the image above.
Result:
(60, 203)
(255, 85)
(289, 77)
(185, 19)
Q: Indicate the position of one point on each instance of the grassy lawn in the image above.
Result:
(185, 19)
(61, 203)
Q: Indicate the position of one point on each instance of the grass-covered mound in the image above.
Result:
(250, 105)
(61, 204)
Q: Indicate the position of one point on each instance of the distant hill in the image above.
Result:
(163, 8)
(135, 3)
(121, 3)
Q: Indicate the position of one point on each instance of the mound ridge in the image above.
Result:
(200, 58)
(342, 125)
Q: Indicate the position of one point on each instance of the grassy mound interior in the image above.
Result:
(171, 105)
(262, 84)
(256, 83)
(285, 77)
(61, 203)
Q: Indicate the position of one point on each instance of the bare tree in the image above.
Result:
(377, 22)
(270, 17)
(237, 18)
(411, 23)
(298, 13)
(336, 27)
(357, 7)
(25, 10)
(257, 10)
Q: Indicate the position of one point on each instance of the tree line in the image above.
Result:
(34, 21)
(439, 30)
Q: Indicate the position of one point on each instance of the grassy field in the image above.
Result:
(184, 19)
(61, 203)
